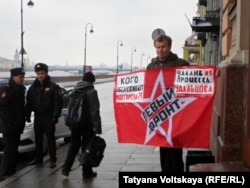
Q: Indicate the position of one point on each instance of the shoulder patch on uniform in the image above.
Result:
(47, 88)
(3, 95)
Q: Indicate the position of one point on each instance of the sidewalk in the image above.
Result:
(118, 157)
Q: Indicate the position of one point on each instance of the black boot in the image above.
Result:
(2, 178)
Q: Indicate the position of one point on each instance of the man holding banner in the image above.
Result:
(169, 105)
(170, 158)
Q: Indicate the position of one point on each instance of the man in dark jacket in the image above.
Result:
(44, 98)
(12, 119)
(170, 158)
(89, 125)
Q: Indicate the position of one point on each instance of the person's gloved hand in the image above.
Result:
(96, 132)
(28, 119)
(54, 120)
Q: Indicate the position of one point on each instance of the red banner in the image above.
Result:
(165, 107)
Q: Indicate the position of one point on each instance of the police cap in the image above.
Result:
(41, 67)
(17, 71)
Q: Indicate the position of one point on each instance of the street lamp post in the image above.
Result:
(119, 43)
(142, 54)
(22, 51)
(148, 57)
(91, 31)
(132, 53)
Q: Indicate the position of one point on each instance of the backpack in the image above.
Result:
(74, 110)
(94, 152)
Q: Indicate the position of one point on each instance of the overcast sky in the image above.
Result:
(55, 29)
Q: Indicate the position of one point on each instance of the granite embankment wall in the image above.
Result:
(58, 79)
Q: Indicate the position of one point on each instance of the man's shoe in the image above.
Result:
(65, 172)
(10, 173)
(52, 165)
(35, 162)
(2, 178)
(88, 176)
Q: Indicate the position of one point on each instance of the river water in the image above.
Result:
(6, 74)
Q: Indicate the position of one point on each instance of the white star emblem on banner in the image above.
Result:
(182, 102)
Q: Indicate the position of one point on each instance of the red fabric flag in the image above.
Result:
(165, 107)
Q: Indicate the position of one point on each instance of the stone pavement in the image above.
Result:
(117, 157)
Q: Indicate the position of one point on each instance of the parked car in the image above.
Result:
(27, 143)
(3, 81)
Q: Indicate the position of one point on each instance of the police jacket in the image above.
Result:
(12, 102)
(171, 61)
(44, 99)
(91, 109)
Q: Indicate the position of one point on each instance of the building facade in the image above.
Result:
(223, 28)
(7, 64)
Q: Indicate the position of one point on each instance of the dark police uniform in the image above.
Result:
(45, 100)
(12, 121)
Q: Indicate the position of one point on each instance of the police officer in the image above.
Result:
(12, 120)
(45, 100)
